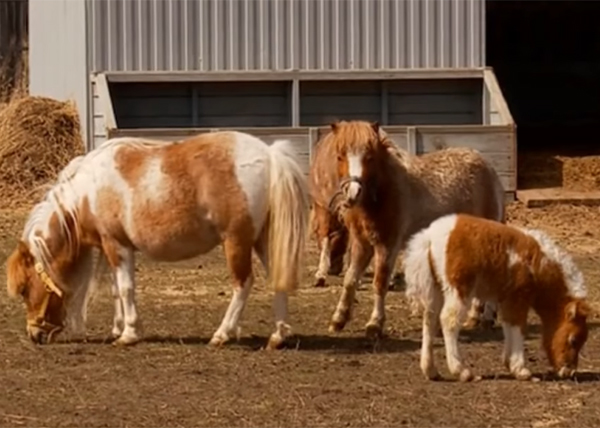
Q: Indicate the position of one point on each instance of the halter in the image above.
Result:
(51, 287)
(340, 191)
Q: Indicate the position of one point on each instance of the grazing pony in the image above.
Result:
(169, 201)
(459, 257)
(383, 196)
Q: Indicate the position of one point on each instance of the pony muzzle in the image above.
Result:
(566, 372)
(353, 190)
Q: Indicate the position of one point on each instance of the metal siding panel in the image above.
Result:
(213, 35)
(58, 53)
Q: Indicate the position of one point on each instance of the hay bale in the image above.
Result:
(38, 137)
(581, 172)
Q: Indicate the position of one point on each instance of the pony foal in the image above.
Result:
(459, 257)
(169, 201)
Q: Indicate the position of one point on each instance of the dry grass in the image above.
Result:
(38, 137)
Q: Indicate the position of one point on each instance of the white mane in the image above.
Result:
(573, 276)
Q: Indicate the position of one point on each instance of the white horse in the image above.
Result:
(169, 201)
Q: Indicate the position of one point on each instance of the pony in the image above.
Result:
(362, 184)
(460, 256)
(169, 201)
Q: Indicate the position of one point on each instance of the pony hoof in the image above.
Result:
(471, 324)
(275, 342)
(126, 341)
(431, 374)
(373, 331)
(466, 375)
(218, 341)
(335, 326)
(523, 374)
(320, 282)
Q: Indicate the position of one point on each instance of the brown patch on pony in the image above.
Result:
(131, 163)
(17, 269)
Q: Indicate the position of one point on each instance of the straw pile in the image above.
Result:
(581, 173)
(38, 137)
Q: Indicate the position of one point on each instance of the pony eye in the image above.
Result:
(572, 340)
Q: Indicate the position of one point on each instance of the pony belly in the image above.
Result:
(178, 245)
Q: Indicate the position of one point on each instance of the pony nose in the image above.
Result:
(37, 336)
(566, 372)
(353, 191)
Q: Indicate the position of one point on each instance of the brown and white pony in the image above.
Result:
(169, 201)
(459, 257)
(384, 196)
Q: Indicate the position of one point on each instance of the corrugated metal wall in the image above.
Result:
(213, 35)
(58, 54)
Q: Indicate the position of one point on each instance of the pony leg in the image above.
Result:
(119, 315)
(431, 316)
(513, 325)
(280, 302)
(383, 266)
(322, 218)
(361, 255)
(239, 259)
(324, 264)
(453, 311)
(338, 242)
(124, 274)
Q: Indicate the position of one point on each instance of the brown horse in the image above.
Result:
(383, 196)
(461, 256)
(169, 201)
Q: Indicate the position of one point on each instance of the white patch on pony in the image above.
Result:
(250, 156)
(513, 258)
(354, 170)
(420, 283)
(152, 181)
(573, 276)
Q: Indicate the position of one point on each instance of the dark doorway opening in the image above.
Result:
(546, 56)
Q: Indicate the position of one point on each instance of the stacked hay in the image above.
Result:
(581, 173)
(38, 137)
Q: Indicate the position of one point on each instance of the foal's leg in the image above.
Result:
(453, 311)
(513, 325)
(384, 262)
(361, 255)
(239, 260)
(431, 316)
(118, 316)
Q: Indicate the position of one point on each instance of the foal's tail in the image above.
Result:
(419, 271)
(288, 221)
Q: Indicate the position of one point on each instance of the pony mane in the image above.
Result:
(572, 275)
(353, 135)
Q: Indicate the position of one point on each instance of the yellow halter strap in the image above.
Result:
(51, 287)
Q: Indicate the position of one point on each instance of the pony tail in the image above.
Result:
(288, 221)
(419, 272)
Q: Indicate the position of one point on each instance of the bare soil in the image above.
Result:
(174, 379)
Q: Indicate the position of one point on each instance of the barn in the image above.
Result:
(435, 73)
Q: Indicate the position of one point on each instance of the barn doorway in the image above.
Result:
(546, 56)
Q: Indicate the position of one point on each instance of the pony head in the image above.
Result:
(563, 347)
(44, 300)
(360, 147)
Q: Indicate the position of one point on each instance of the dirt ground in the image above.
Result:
(174, 379)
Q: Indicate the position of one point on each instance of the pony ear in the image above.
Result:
(335, 126)
(16, 274)
(577, 308)
(375, 126)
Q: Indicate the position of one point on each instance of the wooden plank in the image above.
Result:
(435, 87)
(411, 141)
(347, 88)
(384, 103)
(449, 119)
(433, 103)
(223, 76)
(400, 139)
(244, 105)
(295, 103)
(186, 131)
(486, 112)
(534, 198)
(497, 142)
(339, 105)
(105, 101)
(496, 96)
(320, 120)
